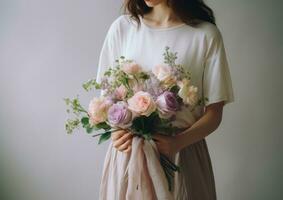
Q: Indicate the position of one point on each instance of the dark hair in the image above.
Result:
(189, 11)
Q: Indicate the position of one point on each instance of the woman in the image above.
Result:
(141, 33)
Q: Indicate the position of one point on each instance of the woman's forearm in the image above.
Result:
(201, 128)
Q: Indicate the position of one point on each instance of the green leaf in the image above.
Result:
(107, 73)
(170, 164)
(89, 128)
(175, 89)
(105, 136)
(85, 121)
(102, 125)
(169, 168)
(143, 75)
(144, 126)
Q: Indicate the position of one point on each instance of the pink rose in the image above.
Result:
(142, 103)
(164, 73)
(131, 68)
(97, 110)
(121, 92)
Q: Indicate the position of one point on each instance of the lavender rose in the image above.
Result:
(167, 104)
(119, 115)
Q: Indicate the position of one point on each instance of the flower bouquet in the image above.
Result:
(144, 102)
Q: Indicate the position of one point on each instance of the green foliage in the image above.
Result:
(118, 77)
(107, 73)
(144, 126)
(74, 106)
(169, 168)
(143, 75)
(170, 58)
(202, 101)
(103, 125)
(105, 136)
(71, 124)
(90, 84)
(147, 126)
(86, 125)
(85, 120)
(175, 89)
(90, 128)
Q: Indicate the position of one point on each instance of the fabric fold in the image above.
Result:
(146, 178)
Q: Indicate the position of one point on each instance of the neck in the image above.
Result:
(162, 14)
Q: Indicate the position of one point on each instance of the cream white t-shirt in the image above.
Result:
(200, 49)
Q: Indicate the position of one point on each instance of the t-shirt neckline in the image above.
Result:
(161, 28)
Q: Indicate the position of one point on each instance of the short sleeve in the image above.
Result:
(217, 83)
(109, 51)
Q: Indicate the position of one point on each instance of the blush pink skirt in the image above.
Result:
(138, 175)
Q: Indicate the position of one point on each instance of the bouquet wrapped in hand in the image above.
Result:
(144, 102)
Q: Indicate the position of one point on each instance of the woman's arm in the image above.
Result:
(211, 119)
(169, 145)
(203, 127)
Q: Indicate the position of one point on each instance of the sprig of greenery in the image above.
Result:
(72, 124)
(90, 128)
(117, 77)
(90, 84)
(169, 57)
(202, 101)
(74, 105)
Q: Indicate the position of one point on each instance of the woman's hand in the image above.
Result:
(122, 140)
(167, 145)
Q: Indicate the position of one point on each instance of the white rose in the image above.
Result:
(187, 92)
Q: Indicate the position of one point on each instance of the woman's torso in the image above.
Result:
(146, 46)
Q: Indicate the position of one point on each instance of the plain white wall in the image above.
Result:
(48, 48)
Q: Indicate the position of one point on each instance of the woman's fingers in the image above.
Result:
(122, 139)
(128, 149)
(117, 134)
(157, 137)
(124, 146)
